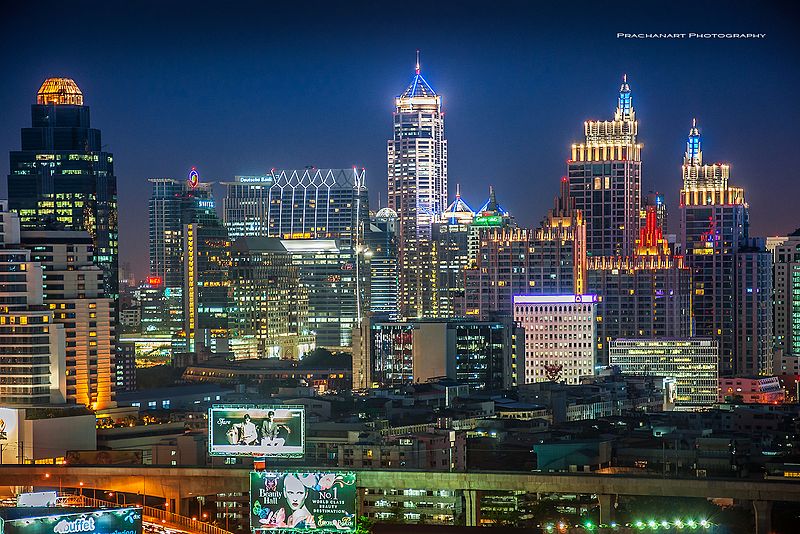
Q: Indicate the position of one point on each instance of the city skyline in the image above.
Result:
(194, 105)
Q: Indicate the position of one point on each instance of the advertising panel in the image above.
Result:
(304, 501)
(9, 435)
(38, 498)
(269, 431)
(105, 521)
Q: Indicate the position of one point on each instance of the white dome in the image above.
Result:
(386, 213)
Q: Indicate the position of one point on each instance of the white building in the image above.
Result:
(559, 336)
(692, 362)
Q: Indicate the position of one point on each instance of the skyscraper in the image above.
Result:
(74, 292)
(605, 179)
(62, 179)
(380, 238)
(787, 295)
(450, 253)
(714, 230)
(417, 173)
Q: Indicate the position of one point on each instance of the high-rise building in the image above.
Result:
(754, 309)
(73, 290)
(692, 362)
(308, 203)
(605, 180)
(172, 205)
(395, 353)
(335, 281)
(62, 179)
(559, 337)
(646, 295)
(380, 238)
(32, 346)
(417, 172)
(269, 317)
(206, 284)
(656, 201)
(450, 253)
(787, 295)
(550, 260)
(714, 230)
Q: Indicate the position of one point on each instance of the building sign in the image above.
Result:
(250, 430)
(105, 521)
(488, 220)
(194, 178)
(306, 501)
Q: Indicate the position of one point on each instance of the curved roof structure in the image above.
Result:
(59, 91)
(386, 213)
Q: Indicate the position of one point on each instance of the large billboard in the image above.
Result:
(105, 521)
(274, 431)
(133, 457)
(308, 501)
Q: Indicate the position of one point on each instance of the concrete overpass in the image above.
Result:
(176, 484)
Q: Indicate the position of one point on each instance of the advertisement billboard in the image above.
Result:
(269, 431)
(38, 498)
(105, 521)
(306, 501)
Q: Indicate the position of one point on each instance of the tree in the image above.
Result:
(364, 525)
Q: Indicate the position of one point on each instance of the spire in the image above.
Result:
(458, 190)
(419, 87)
(651, 240)
(625, 102)
(694, 155)
(417, 69)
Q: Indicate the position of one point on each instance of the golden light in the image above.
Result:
(47, 475)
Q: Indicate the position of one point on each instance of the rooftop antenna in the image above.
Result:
(417, 69)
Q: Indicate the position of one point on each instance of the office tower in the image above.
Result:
(335, 280)
(557, 254)
(692, 362)
(269, 317)
(206, 282)
(714, 229)
(32, 346)
(172, 205)
(396, 353)
(787, 295)
(754, 309)
(380, 238)
(74, 292)
(605, 180)
(491, 216)
(308, 203)
(647, 295)
(417, 172)
(517, 261)
(450, 253)
(559, 337)
(62, 179)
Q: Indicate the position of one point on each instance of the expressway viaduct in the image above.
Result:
(178, 484)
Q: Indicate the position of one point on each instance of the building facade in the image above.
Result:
(787, 295)
(417, 192)
(62, 179)
(605, 180)
(478, 353)
(692, 362)
(559, 337)
(380, 239)
(450, 253)
(74, 292)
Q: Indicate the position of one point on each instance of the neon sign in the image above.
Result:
(194, 178)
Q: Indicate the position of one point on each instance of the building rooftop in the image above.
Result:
(59, 91)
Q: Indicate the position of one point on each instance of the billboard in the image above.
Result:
(38, 498)
(105, 521)
(133, 457)
(276, 431)
(307, 501)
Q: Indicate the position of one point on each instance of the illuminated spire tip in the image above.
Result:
(417, 67)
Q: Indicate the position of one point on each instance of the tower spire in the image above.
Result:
(417, 67)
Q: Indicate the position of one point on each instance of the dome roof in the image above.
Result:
(59, 91)
(386, 213)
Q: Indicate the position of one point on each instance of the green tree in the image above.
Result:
(364, 525)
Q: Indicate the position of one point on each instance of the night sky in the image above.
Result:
(239, 88)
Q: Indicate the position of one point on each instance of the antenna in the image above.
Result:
(417, 61)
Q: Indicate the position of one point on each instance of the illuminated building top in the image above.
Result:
(651, 240)
(458, 211)
(419, 95)
(59, 91)
(695, 174)
(555, 299)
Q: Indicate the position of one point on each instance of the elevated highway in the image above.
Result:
(175, 484)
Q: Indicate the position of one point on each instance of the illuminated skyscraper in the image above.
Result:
(380, 238)
(605, 180)
(787, 295)
(417, 172)
(62, 179)
(729, 304)
(450, 248)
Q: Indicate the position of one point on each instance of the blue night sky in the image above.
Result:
(239, 88)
